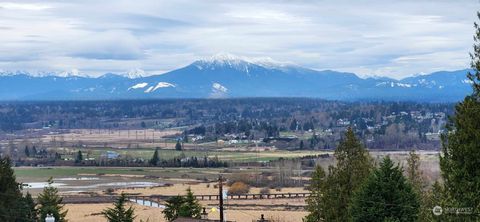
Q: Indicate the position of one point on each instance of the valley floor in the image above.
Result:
(91, 213)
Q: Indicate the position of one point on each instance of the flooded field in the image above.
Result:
(71, 180)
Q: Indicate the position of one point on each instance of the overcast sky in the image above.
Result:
(376, 37)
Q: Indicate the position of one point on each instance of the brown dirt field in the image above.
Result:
(197, 188)
(249, 149)
(91, 213)
(83, 213)
(143, 138)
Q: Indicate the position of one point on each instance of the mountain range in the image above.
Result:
(227, 76)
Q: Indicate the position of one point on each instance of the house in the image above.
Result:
(111, 155)
(343, 122)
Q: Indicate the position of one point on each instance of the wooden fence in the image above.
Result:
(154, 199)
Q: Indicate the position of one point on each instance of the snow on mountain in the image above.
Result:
(63, 74)
(159, 85)
(222, 60)
(395, 84)
(404, 85)
(241, 63)
(10, 73)
(138, 86)
(70, 73)
(218, 91)
(217, 87)
(135, 73)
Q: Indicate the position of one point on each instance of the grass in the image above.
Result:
(301, 136)
(167, 154)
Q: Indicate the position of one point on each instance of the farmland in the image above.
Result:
(270, 147)
(145, 181)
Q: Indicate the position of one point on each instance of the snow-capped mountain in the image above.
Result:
(240, 63)
(226, 75)
(135, 73)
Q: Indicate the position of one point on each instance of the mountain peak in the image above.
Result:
(10, 73)
(240, 62)
(224, 58)
(71, 73)
(135, 73)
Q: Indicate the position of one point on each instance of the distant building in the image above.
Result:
(111, 155)
(343, 122)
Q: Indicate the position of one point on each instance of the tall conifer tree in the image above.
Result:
(385, 196)
(51, 203)
(119, 213)
(460, 157)
(155, 158)
(11, 201)
(352, 168)
(315, 202)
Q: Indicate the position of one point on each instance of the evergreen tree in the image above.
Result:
(293, 125)
(79, 157)
(29, 208)
(119, 213)
(182, 206)
(51, 203)
(178, 146)
(172, 207)
(413, 173)
(27, 151)
(430, 199)
(385, 196)
(11, 201)
(191, 207)
(34, 151)
(155, 158)
(415, 178)
(315, 202)
(353, 167)
(460, 156)
(475, 64)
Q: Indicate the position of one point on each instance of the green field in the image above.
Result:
(167, 154)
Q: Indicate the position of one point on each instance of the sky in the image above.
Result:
(376, 37)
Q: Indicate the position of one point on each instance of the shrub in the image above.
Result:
(109, 191)
(238, 188)
(265, 190)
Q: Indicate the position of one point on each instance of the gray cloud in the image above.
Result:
(369, 37)
(113, 45)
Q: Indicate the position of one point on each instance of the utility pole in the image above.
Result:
(220, 196)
